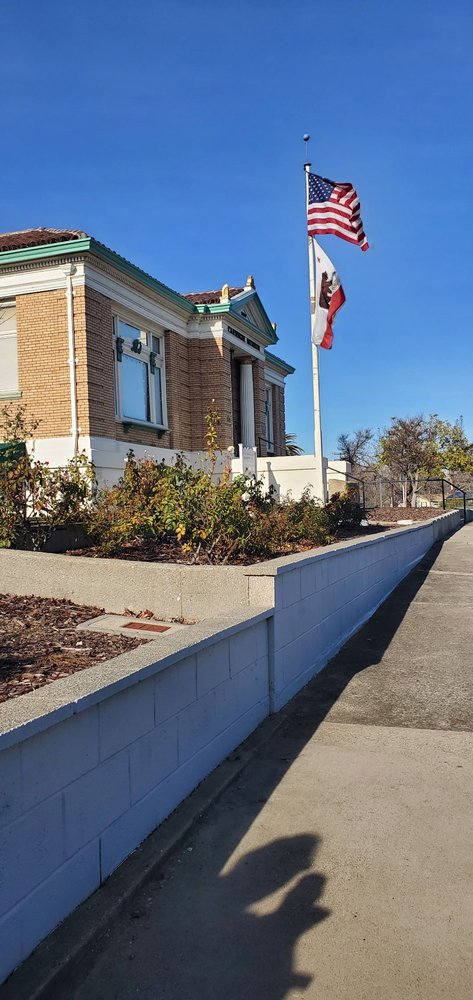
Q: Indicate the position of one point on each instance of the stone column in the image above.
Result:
(247, 404)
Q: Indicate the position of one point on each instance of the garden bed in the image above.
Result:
(39, 642)
(392, 515)
(147, 550)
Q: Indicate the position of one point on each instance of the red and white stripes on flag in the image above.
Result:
(334, 208)
(328, 299)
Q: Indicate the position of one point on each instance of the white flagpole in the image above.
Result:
(320, 485)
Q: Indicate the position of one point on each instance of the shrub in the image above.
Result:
(216, 522)
(34, 498)
(342, 512)
(210, 520)
(176, 504)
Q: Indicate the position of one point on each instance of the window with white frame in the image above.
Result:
(140, 383)
(8, 350)
(269, 422)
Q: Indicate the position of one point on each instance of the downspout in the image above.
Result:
(69, 271)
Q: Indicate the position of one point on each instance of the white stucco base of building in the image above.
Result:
(287, 475)
(109, 455)
(291, 475)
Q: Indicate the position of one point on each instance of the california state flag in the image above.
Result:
(328, 299)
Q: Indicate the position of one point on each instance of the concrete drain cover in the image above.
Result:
(149, 628)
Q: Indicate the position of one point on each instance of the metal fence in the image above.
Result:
(375, 491)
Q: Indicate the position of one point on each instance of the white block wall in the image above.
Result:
(81, 793)
(77, 798)
(321, 601)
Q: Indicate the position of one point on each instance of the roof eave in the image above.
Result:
(24, 254)
(111, 257)
(88, 244)
(279, 363)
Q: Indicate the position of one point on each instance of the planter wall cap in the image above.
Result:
(23, 717)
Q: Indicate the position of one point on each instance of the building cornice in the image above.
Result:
(227, 308)
(278, 363)
(98, 250)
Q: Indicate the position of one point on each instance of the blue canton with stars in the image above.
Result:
(319, 189)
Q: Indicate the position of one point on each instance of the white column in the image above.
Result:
(247, 404)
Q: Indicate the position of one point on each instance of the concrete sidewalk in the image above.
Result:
(338, 866)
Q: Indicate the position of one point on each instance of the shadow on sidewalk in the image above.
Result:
(219, 947)
(365, 649)
(214, 923)
(223, 928)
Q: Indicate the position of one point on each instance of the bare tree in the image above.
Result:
(353, 447)
(409, 448)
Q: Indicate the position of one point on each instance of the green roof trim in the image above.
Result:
(45, 250)
(279, 363)
(100, 250)
(207, 308)
(88, 244)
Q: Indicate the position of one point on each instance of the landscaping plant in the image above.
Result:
(36, 499)
(210, 519)
(177, 511)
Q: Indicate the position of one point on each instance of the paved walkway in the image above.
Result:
(337, 866)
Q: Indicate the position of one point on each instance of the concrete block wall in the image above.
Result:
(91, 764)
(321, 601)
(78, 796)
(168, 590)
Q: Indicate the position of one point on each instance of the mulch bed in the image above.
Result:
(145, 550)
(393, 514)
(39, 642)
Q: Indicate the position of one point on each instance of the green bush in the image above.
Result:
(343, 513)
(207, 519)
(35, 499)
(175, 504)
(216, 522)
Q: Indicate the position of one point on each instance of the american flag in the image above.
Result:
(334, 208)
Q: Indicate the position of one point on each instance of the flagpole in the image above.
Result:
(320, 485)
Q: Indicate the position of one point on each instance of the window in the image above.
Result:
(8, 350)
(140, 382)
(269, 424)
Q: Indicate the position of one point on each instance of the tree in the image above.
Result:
(409, 448)
(354, 448)
(454, 450)
(292, 447)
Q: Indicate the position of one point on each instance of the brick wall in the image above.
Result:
(279, 420)
(259, 385)
(236, 387)
(43, 368)
(211, 379)
(197, 372)
(178, 383)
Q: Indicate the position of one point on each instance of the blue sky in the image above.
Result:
(172, 132)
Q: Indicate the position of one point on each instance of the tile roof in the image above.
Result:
(208, 298)
(37, 237)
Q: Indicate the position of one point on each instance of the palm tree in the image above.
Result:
(292, 447)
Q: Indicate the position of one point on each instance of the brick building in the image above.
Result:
(105, 357)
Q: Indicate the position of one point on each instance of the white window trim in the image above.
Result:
(11, 392)
(145, 336)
